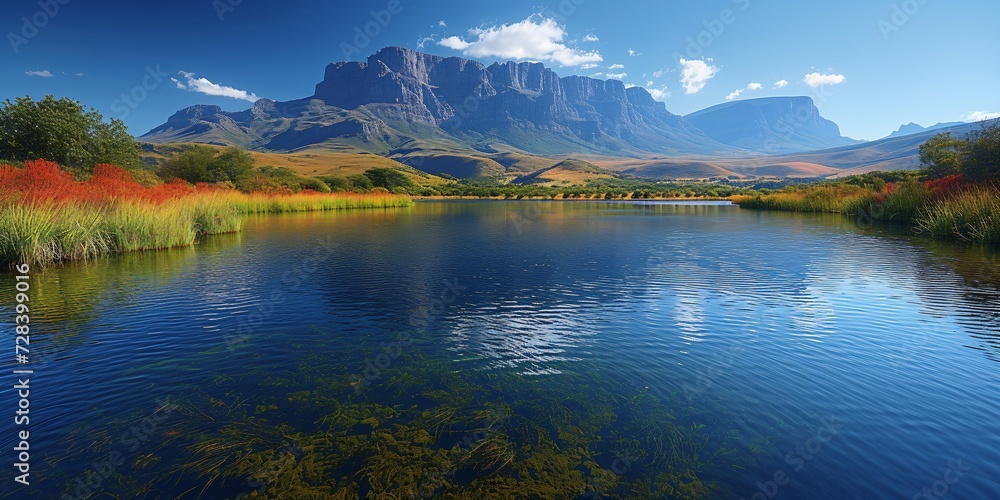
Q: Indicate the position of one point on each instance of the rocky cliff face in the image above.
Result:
(398, 95)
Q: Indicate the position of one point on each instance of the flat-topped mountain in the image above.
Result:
(771, 125)
(399, 96)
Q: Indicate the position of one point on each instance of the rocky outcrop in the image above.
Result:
(398, 95)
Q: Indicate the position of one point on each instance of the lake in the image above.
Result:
(502, 349)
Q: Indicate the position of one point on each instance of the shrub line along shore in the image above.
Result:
(46, 216)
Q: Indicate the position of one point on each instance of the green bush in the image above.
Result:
(63, 131)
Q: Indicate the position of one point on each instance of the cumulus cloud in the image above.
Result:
(696, 74)
(204, 86)
(442, 24)
(591, 38)
(536, 38)
(736, 93)
(659, 93)
(616, 76)
(780, 84)
(589, 66)
(616, 66)
(44, 73)
(659, 73)
(632, 53)
(815, 80)
(978, 116)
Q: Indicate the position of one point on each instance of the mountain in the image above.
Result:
(771, 125)
(399, 96)
(912, 128)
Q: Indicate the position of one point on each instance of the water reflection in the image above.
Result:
(665, 351)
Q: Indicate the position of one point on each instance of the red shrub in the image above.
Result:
(945, 186)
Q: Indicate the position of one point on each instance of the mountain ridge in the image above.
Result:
(399, 95)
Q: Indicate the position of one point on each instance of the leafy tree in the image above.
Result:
(360, 183)
(230, 165)
(191, 165)
(388, 178)
(981, 158)
(206, 164)
(941, 156)
(337, 183)
(63, 131)
(315, 185)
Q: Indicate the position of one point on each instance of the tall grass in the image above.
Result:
(836, 199)
(944, 209)
(46, 216)
(971, 215)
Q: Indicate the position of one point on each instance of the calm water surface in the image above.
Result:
(494, 349)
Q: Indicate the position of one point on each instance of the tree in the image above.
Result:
(981, 158)
(63, 131)
(388, 178)
(231, 165)
(206, 164)
(191, 165)
(942, 155)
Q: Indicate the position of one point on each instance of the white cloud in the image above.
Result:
(591, 38)
(179, 84)
(44, 73)
(616, 66)
(660, 93)
(78, 74)
(442, 24)
(649, 83)
(204, 86)
(536, 38)
(632, 53)
(978, 116)
(659, 73)
(598, 74)
(815, 80)
(422, 42)
(780, 84)
(589, 66)
(749, 87)
(696, 74)
(616, 76)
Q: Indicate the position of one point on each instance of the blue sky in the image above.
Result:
(871, 65)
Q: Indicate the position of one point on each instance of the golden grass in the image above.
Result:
(45, 232)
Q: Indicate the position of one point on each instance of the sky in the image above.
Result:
(870, 65)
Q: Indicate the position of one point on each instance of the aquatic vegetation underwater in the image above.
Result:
(424, 429)
(47, 216)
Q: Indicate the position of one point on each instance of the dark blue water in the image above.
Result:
(490, 349)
